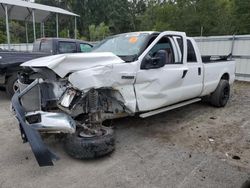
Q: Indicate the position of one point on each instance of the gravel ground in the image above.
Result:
(194, 146)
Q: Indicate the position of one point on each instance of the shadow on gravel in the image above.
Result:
(2, 88)
(246, 184)
(3, 95)
(170, 118)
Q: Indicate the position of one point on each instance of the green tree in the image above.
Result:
(2, 31)
(212, 17)
(196, 17)
(242, 16)
(98, 32)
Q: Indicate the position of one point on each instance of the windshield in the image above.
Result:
(128, 44)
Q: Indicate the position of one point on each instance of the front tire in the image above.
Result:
(81, 147)
(220, 96)
(12, 85)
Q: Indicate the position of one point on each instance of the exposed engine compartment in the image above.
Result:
(43, 92)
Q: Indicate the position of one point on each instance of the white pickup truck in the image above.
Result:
(143, 73)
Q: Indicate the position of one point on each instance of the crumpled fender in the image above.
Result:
(119, 77)
(63, 64)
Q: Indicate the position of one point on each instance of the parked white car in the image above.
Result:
(140, 72)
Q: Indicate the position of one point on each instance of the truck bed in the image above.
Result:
(213, 70)
(215, 58)
(13, 58)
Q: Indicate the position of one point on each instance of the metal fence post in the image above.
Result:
(57, 26)
(27, 36)
(43, 29)
(34, 24)
(7, 26)
(232, 47)
(75, 28)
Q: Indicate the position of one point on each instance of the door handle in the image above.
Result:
(184, 73)
(199, 70)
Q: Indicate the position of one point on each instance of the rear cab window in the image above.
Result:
(67, 47)
(191, 55)
(180, 45)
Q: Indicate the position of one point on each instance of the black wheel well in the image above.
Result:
(225, 76)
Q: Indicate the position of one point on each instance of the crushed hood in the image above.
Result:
(63, 64)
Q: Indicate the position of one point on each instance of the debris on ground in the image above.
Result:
(236, 157)
(210, 139)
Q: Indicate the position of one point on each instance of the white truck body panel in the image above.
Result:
(142, 90)
(213, 73)
(156, 88)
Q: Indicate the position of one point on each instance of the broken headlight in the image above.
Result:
(67, 98)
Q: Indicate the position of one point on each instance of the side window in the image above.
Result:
(66, 47)
(180, 44)
(85, 47)
(191, 56)
(164, 44)
(46, 46)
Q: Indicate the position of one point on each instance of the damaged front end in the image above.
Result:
(49, 104)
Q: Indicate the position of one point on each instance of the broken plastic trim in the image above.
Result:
(43, 155)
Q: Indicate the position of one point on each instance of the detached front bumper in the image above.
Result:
(43, 155)
(49, 122)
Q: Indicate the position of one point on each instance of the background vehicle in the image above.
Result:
(143, 72)
(10, 60)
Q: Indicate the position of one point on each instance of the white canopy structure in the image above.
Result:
(30, 12)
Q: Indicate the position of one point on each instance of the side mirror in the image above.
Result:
(158, 61)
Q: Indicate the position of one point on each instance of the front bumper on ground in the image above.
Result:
(43, 155)
(49, 122)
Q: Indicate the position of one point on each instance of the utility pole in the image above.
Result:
(201, 31)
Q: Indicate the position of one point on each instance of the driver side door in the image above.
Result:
(161, 86)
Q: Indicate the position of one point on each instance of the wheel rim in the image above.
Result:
(15, 86)
(83, 134)
(225, 95)
(87, 134)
